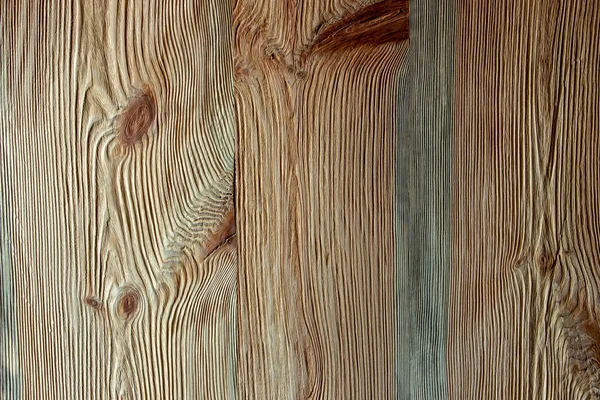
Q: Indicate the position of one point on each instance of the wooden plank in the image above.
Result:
(524, 310)
(116, 200)
(423, 202)
(315, 87)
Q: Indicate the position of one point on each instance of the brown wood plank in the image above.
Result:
(116, 200)
(526, 249)
(315, 87)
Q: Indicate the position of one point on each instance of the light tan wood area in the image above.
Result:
(316, 92)
(117, 141)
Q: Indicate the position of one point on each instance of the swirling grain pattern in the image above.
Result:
(526, 244)
(316, 120)
(118, 256)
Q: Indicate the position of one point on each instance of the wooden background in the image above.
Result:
(318, 199)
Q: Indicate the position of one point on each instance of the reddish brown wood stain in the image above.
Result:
(222, 234)
(383, 22)
(137, 118)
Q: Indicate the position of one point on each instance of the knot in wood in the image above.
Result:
(128, 303)
(93, 302)
(137, 118)
(546, 261)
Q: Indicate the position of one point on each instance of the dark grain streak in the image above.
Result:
(383, 22)
(222, 235)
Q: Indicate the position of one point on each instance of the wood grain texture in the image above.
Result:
(524, 310)
(316, 104)
(402, 203)
(423, 202)
(118, 269)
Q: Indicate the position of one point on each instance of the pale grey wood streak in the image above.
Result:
(402, 201)
(526, 254)
(423, 202)
(116, 195)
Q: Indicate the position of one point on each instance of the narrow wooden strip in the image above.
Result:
(402, 202)
(423, 202)
(378, 23)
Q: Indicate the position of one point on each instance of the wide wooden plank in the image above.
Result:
(526, 244)
(316, 94)
(118, 273)
(423, 201)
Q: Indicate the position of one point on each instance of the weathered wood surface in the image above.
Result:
(315, 86)
(407, 222)
(526, 244)
(423, 202)
(118, 275)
